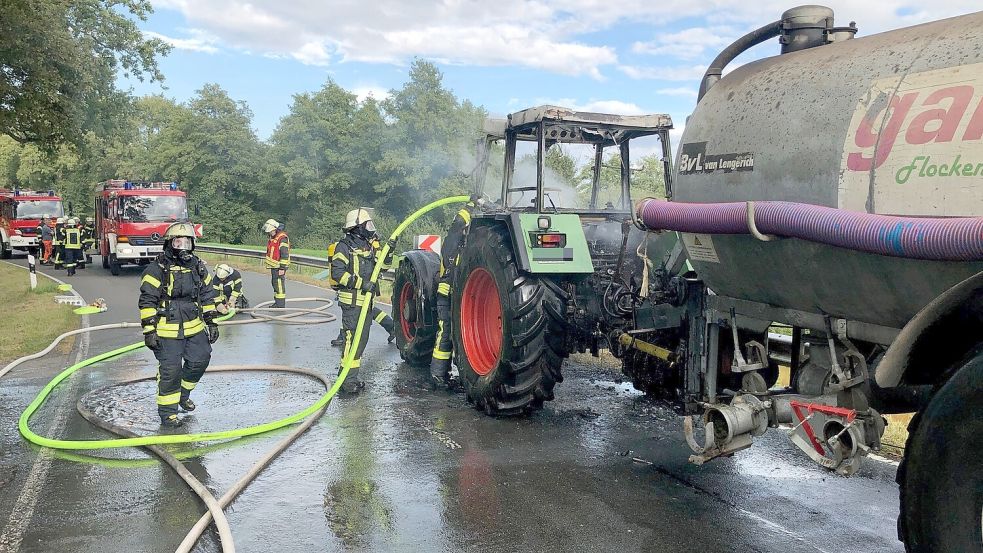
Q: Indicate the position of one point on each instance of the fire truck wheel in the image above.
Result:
(113, 265)
(940, 480)
(506, 342)
(414, 338)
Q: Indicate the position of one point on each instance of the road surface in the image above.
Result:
(406, 468)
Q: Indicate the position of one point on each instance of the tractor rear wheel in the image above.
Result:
(940, 480)
(507, 345)
(415, 338)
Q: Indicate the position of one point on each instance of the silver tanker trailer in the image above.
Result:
(836, 188)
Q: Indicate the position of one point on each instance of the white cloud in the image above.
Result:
(199, 42)
(680, 73)
(548, 35)
(312, 53)
(688, 44)
(365, 91)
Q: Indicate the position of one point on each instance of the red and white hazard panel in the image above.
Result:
(430, 242)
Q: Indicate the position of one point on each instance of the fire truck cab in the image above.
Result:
(20, 214)
(131, 218)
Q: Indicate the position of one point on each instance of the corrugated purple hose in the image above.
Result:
(933, 238)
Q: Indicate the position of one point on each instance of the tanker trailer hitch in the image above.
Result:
(834, 437)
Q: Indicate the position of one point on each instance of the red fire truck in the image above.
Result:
(131, 218)
(20, 213)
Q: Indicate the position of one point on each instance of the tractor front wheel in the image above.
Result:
(507, 345)
(414, 314)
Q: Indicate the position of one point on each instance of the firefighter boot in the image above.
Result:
(352, 384)
(187, 404)
(171, 421)
(340, 340)
(440, 373)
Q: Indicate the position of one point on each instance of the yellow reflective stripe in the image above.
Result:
(464, 214)
(237, 281)
(380, 317)
(341, 256)
(205, 308)
(188, 385)
(345, 279)
(444, 288)
(151, 281)
(437, 352)
(147, 312)
(147, 329)
(169, 399)
(356, 364)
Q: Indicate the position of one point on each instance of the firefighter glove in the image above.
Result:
(368, 287)
(151, 340)
(212, 330)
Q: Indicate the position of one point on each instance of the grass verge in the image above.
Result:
(31, 319)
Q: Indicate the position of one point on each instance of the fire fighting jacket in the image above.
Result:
(278, 251)
(451, 247)
(88, 236)
(58, 238)
(176, 298)
(230, 289)
(351, 265)
(72, 238)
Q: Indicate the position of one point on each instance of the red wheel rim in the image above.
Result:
(407, 295)
(481, 321)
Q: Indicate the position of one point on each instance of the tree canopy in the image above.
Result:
(59, 60)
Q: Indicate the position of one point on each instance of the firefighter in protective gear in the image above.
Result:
(72, 244)
(45, 233)
(88, 239)
(351, 266)
(228, 285)
(277, 260)
(177, 310)
(58, 241)
(339, 341)
(440, 364)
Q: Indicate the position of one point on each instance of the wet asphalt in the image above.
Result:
(403, 467)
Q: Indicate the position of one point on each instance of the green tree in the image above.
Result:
(59, 61)
(431, 143)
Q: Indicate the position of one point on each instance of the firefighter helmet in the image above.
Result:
(71, 221)
(223, 271)
(270, 225)
(89, 220)
(356, 217)
(60, 221)
(179, 229)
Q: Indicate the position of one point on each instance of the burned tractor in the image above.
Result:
(831, 190)
(548, 267)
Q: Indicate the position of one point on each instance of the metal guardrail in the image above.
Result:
(302, 260)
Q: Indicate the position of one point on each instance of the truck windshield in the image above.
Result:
(154, 209)
(35, 209)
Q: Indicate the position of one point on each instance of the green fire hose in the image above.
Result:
(30, 435)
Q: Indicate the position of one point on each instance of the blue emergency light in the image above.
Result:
(173, 186)
(127, 185)
(16, 191)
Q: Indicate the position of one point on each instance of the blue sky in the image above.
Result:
(632, 56)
